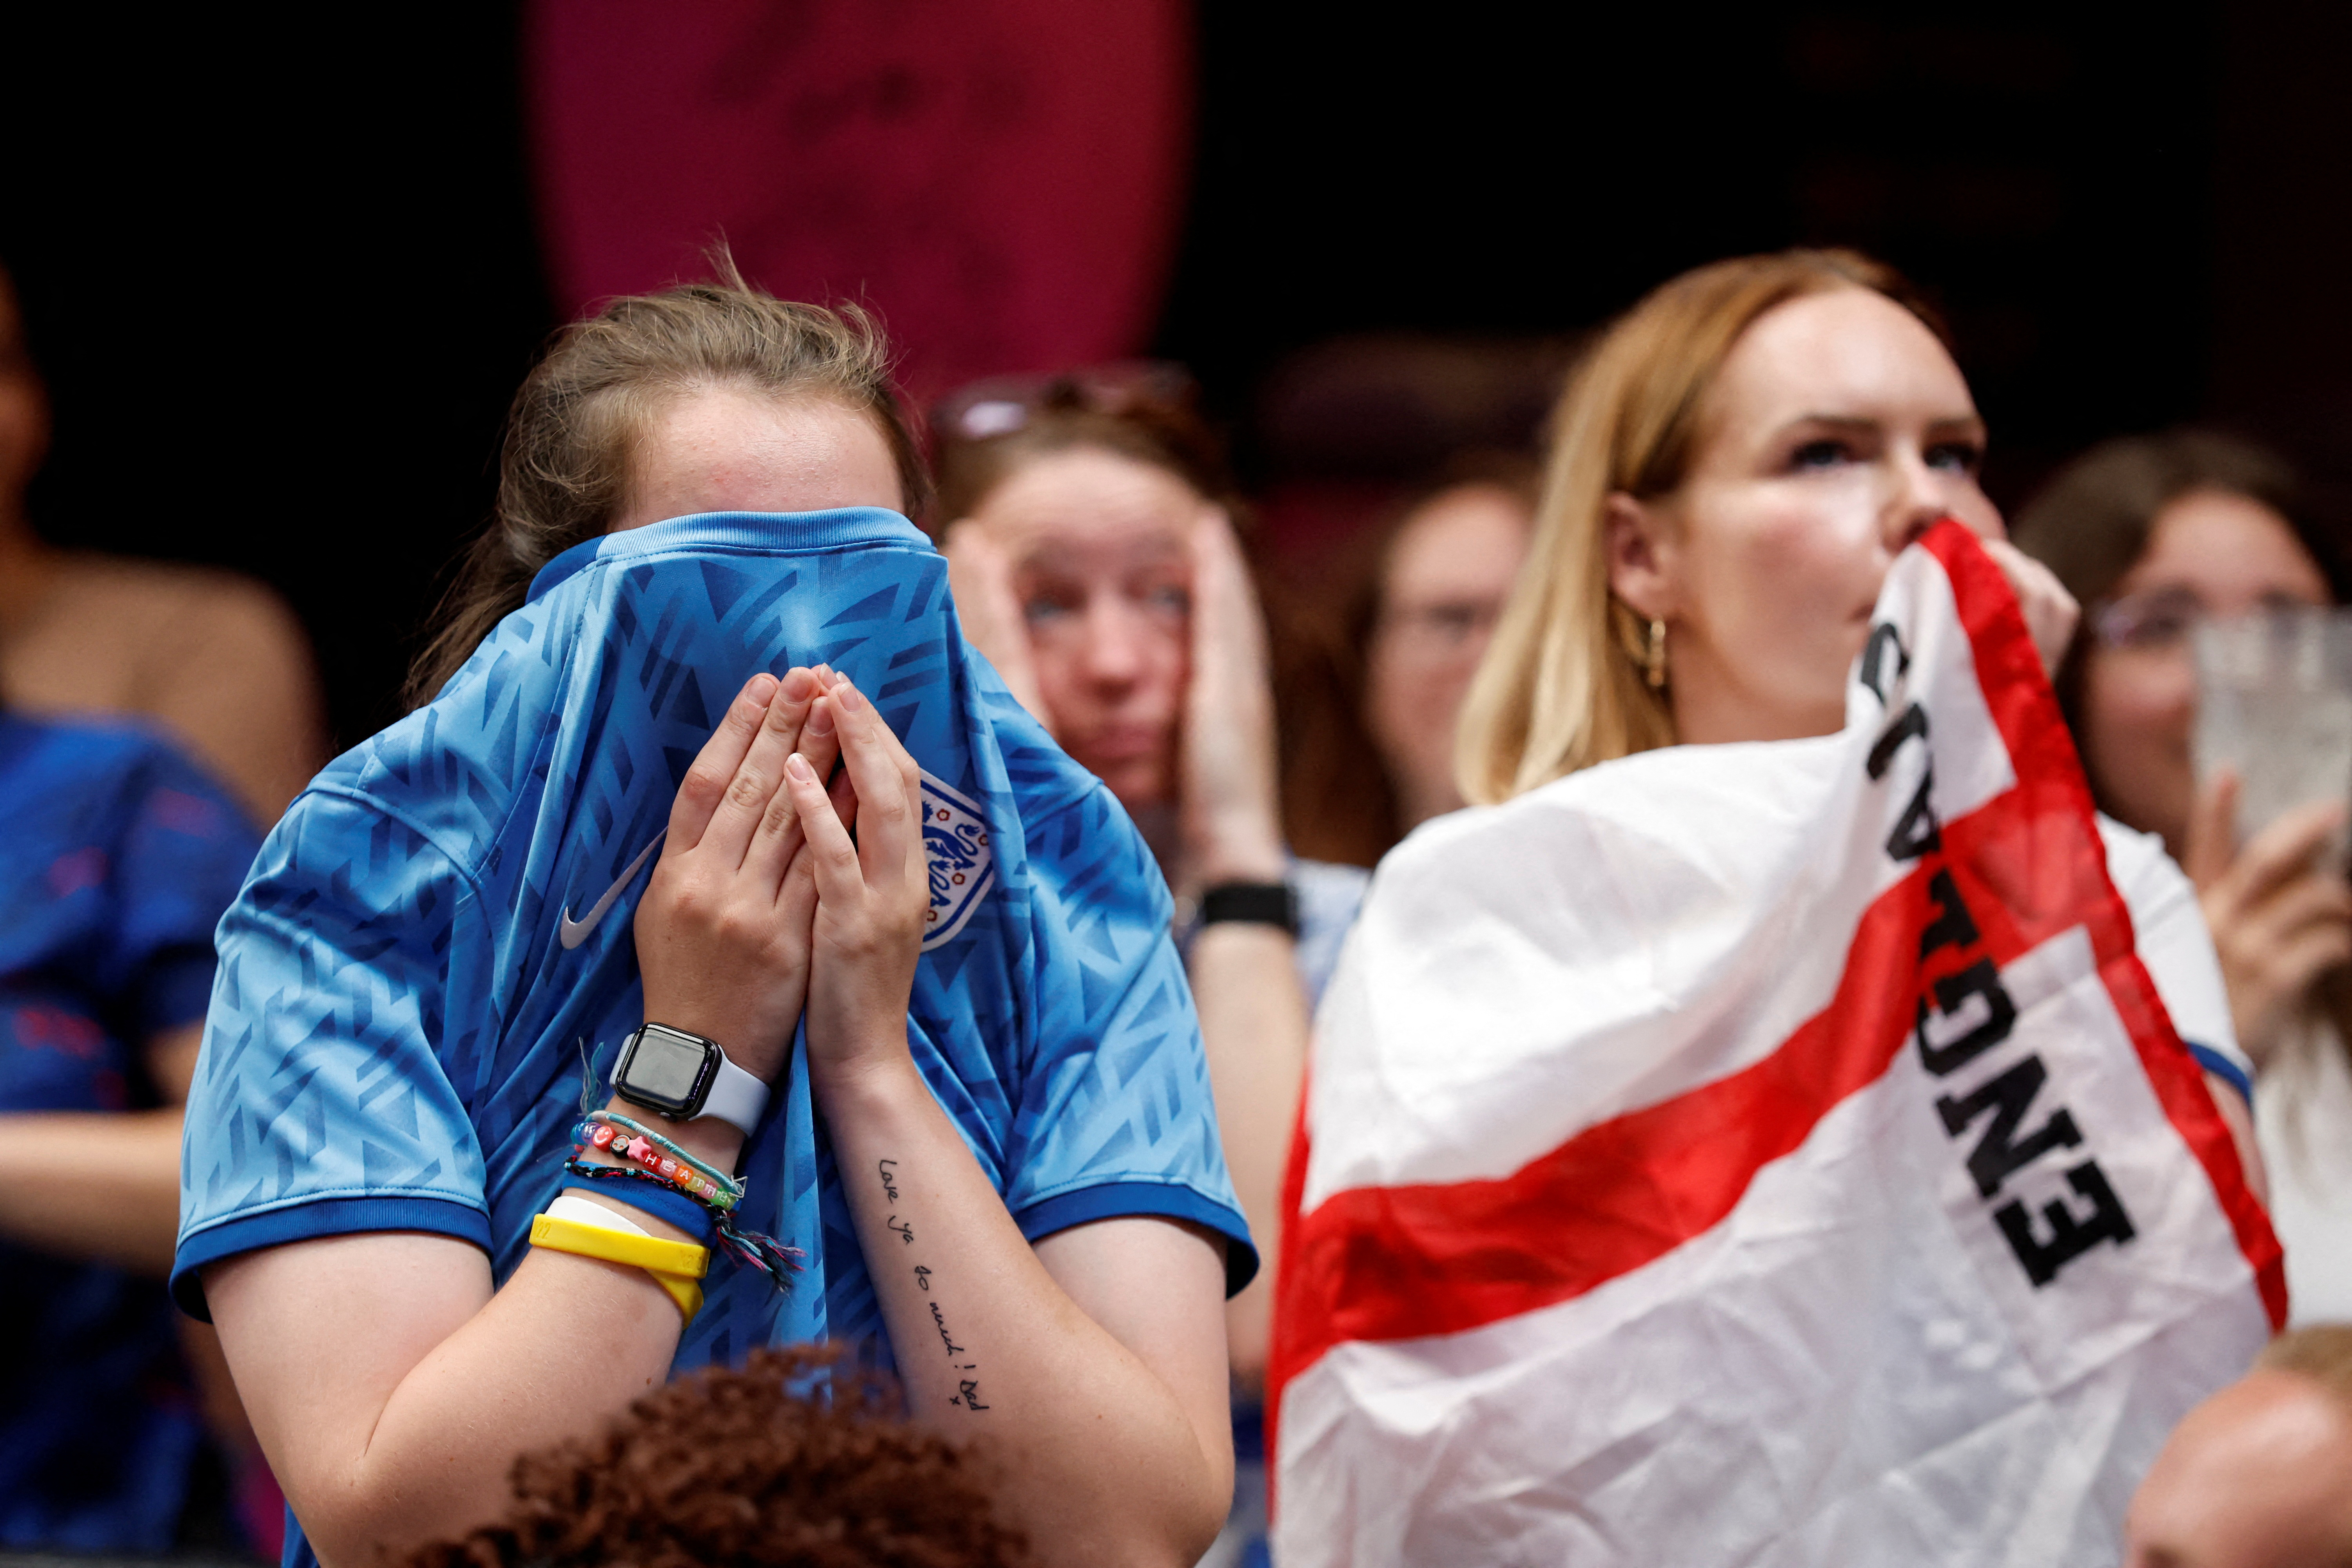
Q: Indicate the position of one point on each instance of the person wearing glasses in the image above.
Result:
(2152, 533)
(1367, 737)
(1090, 541)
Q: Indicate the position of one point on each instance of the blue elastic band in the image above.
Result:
(2226, 1069)
(667, 1204)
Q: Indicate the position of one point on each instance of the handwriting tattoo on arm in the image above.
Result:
(967, 1388)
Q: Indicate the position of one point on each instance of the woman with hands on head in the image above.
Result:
(1090, 533)
(2154, 533)
(1091, 538)
(836, 1115)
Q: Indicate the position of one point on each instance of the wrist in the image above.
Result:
(682, 1076)
(707, 1139)
(645, 1219)
(750, 1044)
(880, 1077)
(1255, 857)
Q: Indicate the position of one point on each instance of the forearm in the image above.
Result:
(424, 1450)
(1103, 1463)
(1253, 1024)
(567, 1345)
(101, 1185)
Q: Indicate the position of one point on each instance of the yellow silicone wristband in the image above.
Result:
(651, 1253)
(684, 1293)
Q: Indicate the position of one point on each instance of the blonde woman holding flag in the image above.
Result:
(1786, 1124)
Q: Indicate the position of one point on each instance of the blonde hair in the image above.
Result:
(1562, 686)
(2320, 1352)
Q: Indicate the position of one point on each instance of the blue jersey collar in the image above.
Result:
(768, 532)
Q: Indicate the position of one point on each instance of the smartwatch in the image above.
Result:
(682, 1076)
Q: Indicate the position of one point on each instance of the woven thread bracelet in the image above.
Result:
(748, 1248)
(609, 1132)
(620, 1135)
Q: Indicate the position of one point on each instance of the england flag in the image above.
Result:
(1770, 1153)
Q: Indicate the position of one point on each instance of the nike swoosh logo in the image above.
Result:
(571, 932)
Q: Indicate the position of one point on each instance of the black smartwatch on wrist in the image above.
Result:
(1253, 904)
(680, 1076)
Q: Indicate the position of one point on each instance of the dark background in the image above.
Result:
(283, 281)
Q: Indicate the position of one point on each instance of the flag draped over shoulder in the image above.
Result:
(1762, 1153)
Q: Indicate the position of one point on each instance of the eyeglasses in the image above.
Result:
(2161, 620)
(2157, 621)
(1441, 629)
(1002, 405)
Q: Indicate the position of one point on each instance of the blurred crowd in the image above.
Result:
(1271, 737)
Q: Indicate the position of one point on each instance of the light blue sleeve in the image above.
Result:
(1329, 896)
(1116, 1116)
(322, 1104)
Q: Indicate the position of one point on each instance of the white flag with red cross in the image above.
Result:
(1766, 1154)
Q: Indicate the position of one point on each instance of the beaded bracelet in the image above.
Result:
(748, 1248)
(619, 1135)
(610, 1132)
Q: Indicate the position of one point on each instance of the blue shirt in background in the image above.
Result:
(117, 862)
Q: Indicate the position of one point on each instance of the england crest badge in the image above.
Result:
(955, 842)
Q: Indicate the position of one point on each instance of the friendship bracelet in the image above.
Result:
(748, 1248)
(674, 1266)
(588, 1138)
(732, 1189)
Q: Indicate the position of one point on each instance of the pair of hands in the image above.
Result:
(776, 895)
(2280, 909)
(1228, 812)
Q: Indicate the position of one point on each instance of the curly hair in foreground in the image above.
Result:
(731, 1466)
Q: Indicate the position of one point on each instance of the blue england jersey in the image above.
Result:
(431, 967)
(118, 858)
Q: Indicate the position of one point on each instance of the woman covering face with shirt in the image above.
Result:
(568, 1035)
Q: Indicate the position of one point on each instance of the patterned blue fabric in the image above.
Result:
(118, 861)
(397, 1033)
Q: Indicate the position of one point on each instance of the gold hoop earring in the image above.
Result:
(1653, 663)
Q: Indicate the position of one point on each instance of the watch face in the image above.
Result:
(663, 1069)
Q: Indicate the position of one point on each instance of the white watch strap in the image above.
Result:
(735, 1097)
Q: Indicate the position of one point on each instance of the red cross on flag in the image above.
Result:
(1776, 1153)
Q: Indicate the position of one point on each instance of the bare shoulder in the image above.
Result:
(172, 593)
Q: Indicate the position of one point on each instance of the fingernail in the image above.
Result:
(797, 765)
(846, 695)
(760, 688)
(800, 685)
(820, 720)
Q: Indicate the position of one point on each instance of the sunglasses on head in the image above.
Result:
(1003, 405)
